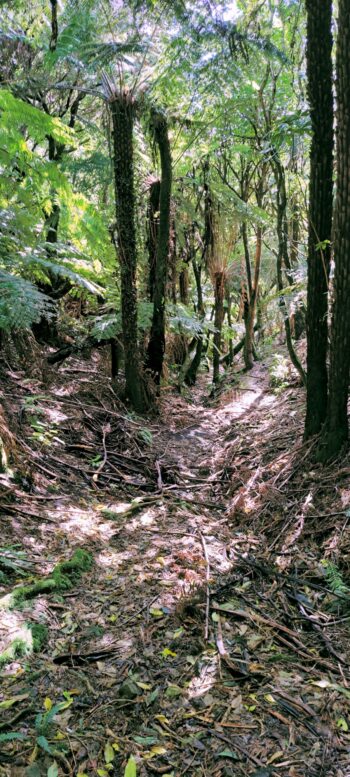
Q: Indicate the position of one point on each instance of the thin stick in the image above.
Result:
(106, 429)
(207, 575)
(160, 484)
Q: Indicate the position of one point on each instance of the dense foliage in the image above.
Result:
(199, 238)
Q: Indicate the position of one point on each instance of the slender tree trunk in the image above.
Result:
(153, 234)
(156, 345)
(250, 313)
(171, 293)
(229, 321)
(336, 428)
(320, 73)
(219, 295)
(191, 374)
(183, 286)
(247, 258)
(283, 257)
(122, 111)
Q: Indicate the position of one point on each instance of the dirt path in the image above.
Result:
(137, 662)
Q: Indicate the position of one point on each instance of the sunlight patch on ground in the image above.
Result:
(82, 524)
(204, 681)
(111, 560)
(12, 628)
(115, 507)
(147, 518)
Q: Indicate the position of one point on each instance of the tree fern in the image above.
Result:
(21, 303)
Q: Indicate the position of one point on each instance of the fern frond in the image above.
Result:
(17, 113)
(21, 303)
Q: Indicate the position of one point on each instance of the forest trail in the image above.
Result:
(184, 645)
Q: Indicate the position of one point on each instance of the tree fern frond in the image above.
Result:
(15, 112)
(34, 260)
(21, 303)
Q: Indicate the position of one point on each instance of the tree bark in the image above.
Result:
(283, 258)
(156, 345)
(122, 112)
(320, 72)
(219, 295)
(191, 374)
(336, 428)
(153, 235)
(250, 313)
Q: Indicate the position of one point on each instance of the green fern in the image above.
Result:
(334, 579)
(21, 303)
(17, 113)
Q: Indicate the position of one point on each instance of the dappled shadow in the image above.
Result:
(128, 642)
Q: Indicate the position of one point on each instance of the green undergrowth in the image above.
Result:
(336, 584)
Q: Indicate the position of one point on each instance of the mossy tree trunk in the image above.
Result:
(122, 112)
(336, 429)
(156, 345)
(320, 76)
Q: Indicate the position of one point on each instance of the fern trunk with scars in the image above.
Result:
(336, 431)
(122, 111)
(156, 345)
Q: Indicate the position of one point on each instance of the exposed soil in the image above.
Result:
(211, 635)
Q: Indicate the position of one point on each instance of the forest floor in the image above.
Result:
(210, 635)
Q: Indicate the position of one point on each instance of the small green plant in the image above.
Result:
(146, 436)
(43, 432)
(334, 579)
(96, 460)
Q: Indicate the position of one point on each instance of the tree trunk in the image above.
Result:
(219, 295)
(249, 318)
(156, 345)
(283, 257)
(153, 233)
(229, 321)
(336, 428)
(122, 111)
(191, 374)
(171, 292)
(319, 71)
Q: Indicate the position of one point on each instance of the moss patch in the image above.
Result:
(19, 647)
(40, 634)
(62, 578)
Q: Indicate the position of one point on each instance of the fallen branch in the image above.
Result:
(105, 430)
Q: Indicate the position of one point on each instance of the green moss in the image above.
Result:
(40, 635)
(23, 592)
(3, 578)
(68, 572)
(17, 649)
(62, 578)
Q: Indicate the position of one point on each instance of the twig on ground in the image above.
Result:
(207, 575)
